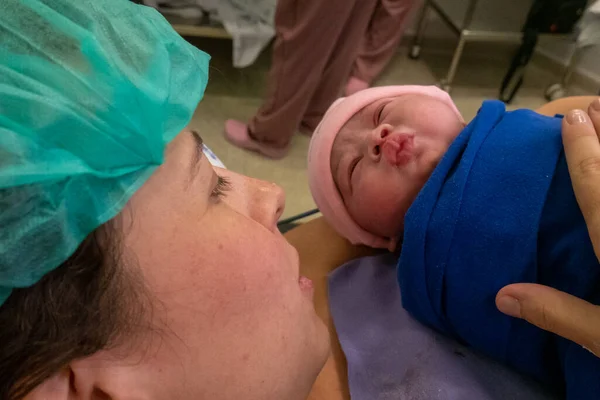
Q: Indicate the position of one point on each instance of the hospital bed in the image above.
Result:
(249, 24)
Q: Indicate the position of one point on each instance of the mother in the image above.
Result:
(129, 266)
(120, 278)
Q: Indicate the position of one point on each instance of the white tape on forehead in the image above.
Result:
(212, 158)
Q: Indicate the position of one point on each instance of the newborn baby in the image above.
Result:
(476, 208)
(372, 154)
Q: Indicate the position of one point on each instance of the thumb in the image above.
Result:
(554, 311)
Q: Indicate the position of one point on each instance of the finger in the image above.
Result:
(594, 113)
(582, 150)
(554, 311)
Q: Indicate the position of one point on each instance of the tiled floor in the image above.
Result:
(237, 94)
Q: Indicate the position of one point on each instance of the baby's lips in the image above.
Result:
(398, 148)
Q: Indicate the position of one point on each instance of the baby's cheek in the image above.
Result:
(380, 212)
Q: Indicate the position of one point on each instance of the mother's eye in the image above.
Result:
(221, 188)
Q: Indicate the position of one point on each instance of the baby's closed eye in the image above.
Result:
(379, 114)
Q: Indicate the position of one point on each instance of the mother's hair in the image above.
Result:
(91, 302)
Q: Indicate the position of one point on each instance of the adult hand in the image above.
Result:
(547, 308)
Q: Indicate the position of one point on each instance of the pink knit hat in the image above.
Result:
(320, 178)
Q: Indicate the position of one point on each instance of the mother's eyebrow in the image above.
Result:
(197, 156)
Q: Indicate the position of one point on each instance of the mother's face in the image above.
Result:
(235, 321)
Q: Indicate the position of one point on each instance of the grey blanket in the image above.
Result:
(392, 356)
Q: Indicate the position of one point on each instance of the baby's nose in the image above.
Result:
(376, 139)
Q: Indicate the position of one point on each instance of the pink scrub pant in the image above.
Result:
(319, 44)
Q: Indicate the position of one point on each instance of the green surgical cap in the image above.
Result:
(91, 91)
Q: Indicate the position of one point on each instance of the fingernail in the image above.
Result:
(575, 117)
(509, 306)
(596, 104)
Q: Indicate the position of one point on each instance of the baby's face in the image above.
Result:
(383, 156)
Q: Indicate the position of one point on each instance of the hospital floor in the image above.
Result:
(237, 93)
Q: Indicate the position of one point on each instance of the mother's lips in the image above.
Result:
(397, 148)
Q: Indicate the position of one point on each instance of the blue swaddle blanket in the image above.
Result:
(500, 209)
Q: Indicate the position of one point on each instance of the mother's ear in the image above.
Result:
(91, 378)
(57, 387)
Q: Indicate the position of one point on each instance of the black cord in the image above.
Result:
(297, 217)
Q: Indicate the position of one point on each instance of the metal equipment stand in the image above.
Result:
(465, 33)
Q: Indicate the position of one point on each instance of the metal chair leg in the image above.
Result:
(561, 89)
(415, 50)
(575, 58)
(446, 83)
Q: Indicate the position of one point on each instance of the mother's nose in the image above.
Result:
(266, 203)
(375, 140)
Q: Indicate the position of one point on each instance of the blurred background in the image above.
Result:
(480, 37)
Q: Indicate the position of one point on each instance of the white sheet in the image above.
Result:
(249, 22)
(588, 32)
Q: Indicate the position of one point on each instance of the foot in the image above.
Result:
(355, 85)
(236, 133)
